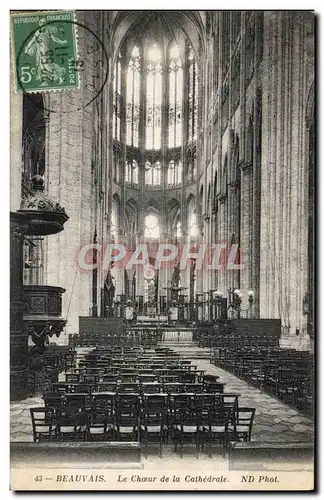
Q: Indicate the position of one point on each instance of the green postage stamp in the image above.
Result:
(44, 51)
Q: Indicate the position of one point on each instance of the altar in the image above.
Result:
(152, 319)
(177, 334)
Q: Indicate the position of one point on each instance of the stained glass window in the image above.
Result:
(192, 113)
(154, 93)
(153, 98)
(153, 173)
(174, 172)
(131, 171)
(175, 97)
(193, 96)
(117, 99)
(133, 98)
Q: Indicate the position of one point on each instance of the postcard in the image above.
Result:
(162, 250)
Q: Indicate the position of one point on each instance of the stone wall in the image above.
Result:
(274, 211)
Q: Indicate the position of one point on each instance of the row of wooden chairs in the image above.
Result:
(285, 374)
(147, 338)
(172, 408)
(152, 420)
(213, 338)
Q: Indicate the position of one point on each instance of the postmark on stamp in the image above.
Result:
(45, 51)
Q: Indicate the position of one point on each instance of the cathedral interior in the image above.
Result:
(200, 136)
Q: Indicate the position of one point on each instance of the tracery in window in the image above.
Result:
(117, 99)
(193, 96)
(192, 113)
(153, 98)
(175, 97)
(154, 78)
(131, 171)
(133, 93)
(153, 173)
(174, 172)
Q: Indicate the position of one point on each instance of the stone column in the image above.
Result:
(18, 336)
(222, 198)
(233, 232)
(246, 219)
(213, 282)
(139, 273)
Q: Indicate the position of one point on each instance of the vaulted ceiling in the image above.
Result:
(192, 23)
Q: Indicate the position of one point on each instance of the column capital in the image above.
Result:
(245, 167)
(233, 186)
(222, 197)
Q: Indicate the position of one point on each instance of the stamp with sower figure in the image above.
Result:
(45, 51)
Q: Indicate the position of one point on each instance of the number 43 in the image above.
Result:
(39, 479)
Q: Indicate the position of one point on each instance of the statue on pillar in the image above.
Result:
(109, 295)
(175, 283)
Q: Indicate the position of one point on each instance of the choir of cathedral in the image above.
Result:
(201, 139)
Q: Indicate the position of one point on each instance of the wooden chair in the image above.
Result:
(242, 428)
(213, 387)
(75, 402)
(151, 388)
(131, 388)
(153, 420)
(188, 377)
(172, 388)
(72, 377)
(44, 424)
(216, 429)
(106, 387)
(109, 378)
(100, 424)
(194, 388)
(52, 400)
(127, 418)
(72, 426)
(187, 425)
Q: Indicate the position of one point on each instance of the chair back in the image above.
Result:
(42, 423)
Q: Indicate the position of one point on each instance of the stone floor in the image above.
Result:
(274, 421)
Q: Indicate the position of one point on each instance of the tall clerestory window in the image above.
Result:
(175, 97)
(153, 173)
(193, 96)
(117, 99)
(175, 115)
(133, 93)
(192, 113)
(153, 83)
(117, 107)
